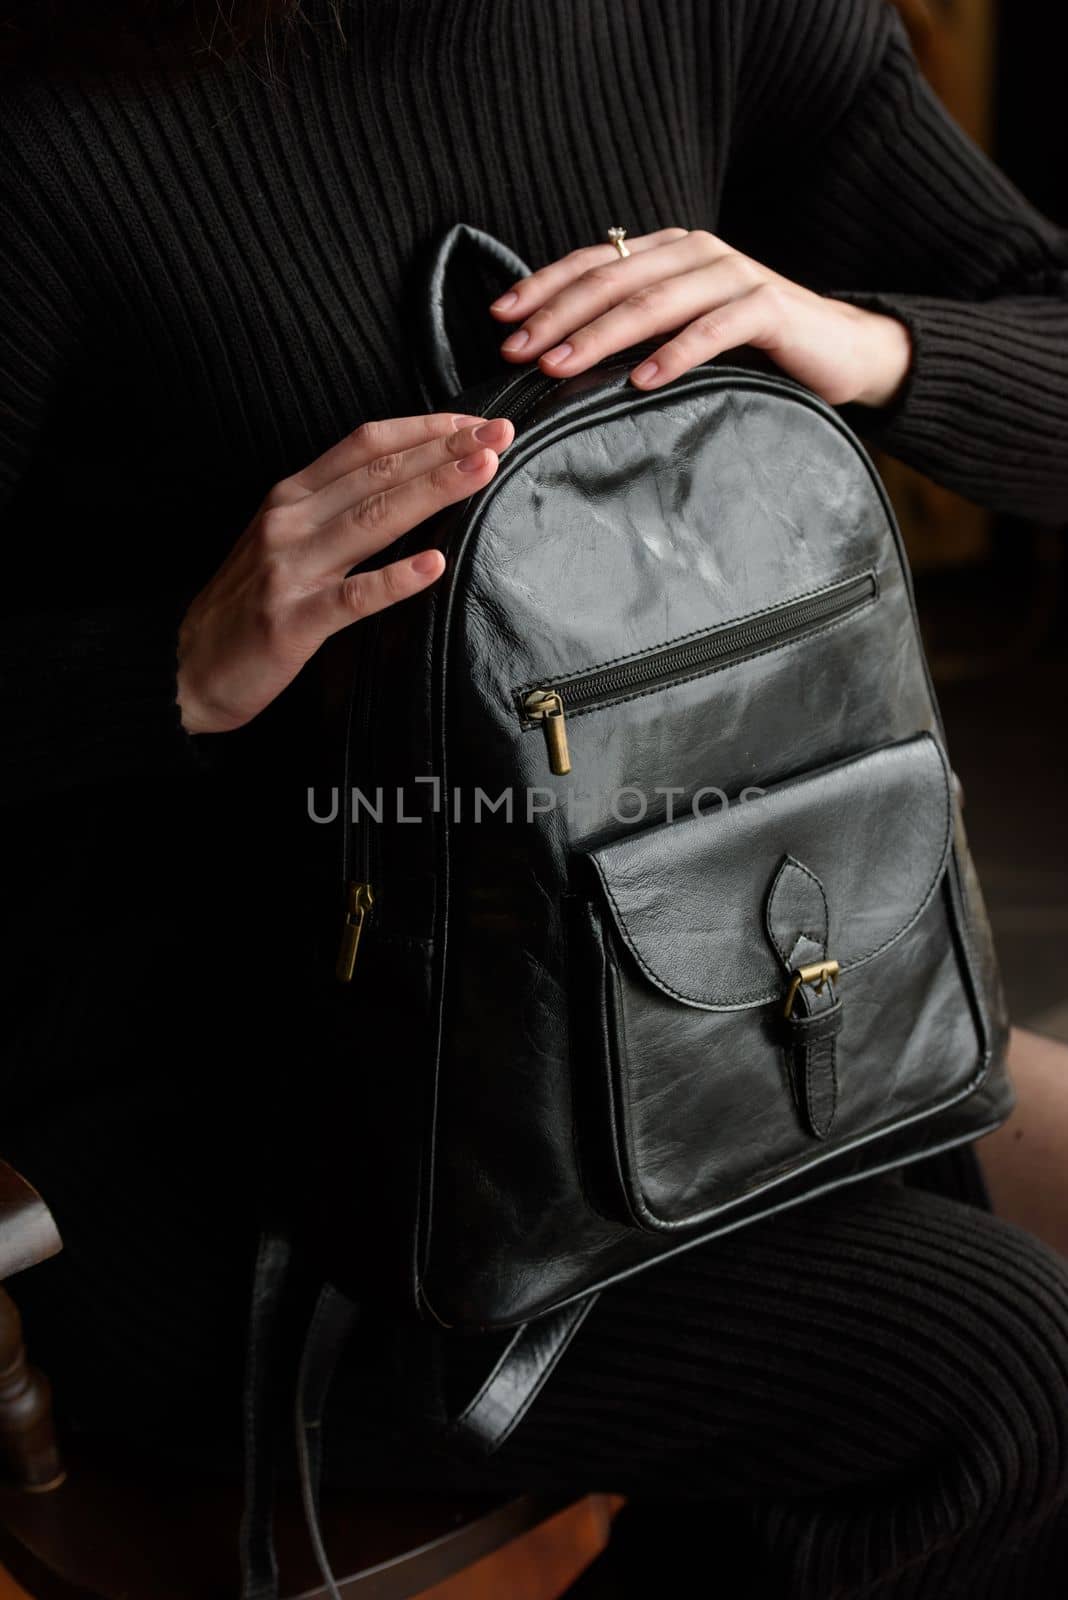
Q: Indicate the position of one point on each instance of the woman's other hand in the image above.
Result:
(285, 586)
(709, 298)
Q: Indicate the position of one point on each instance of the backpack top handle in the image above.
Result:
(458, 344)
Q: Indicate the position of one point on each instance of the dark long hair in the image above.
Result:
(71, 32)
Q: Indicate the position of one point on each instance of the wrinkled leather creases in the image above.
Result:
(689, 898)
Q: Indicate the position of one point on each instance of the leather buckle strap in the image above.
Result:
(811, 1028)
(797, 920)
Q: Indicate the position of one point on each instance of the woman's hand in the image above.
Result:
(710, 298)
(284, 587)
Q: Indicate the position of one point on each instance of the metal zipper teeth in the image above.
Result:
(357, 843)
(346, 784)
(676, 663)
(533, 386)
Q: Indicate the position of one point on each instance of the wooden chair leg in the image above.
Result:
(29, 1454)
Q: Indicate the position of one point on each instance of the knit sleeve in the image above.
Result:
(86, 695)
(864, 188)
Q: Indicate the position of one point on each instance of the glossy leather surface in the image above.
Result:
(516, 1379)
(703, 1111)
(715, 908)
(811, 1051)
(459, 347)
(618, 524)
(797, 920)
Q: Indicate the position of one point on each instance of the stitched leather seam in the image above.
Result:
(810, 1064)
(748, 1001)
(943, 861)
(830, 1153)
(630, 1176)
(957, 911)
(791, 1168)
(818, 1025)
(661, 983)
(614, 1059)
(730, 622)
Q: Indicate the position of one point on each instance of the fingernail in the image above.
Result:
(646, 372)
(490, 431)
(425, 562)
(516, 341)
(473, 463)
(505, 302)
(464, 422)
(561, 353)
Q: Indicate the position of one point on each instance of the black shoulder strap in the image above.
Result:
(259, 1567)
(333, 1322)
(513, 1385)
(482, 1426)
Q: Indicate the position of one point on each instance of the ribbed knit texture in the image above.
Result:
(204, 286)
(871, 1389)
(204, 283)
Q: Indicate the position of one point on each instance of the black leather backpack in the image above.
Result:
(659, 914)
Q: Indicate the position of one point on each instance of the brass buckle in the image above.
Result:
(817, 974)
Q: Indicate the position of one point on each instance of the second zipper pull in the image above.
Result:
(359, 904)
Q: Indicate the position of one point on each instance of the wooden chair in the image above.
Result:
(98, 1525)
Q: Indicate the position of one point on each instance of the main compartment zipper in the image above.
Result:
(357, 867)
(522, 392)
(548, 705)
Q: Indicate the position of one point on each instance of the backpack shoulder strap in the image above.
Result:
(481, 1427)
(259, 1567)
(513, 1385)
(332, 1324)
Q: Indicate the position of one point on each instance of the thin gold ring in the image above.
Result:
(617, 236)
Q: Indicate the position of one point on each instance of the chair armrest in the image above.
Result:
(28, 1233)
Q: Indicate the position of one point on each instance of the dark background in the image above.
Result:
(997, 627)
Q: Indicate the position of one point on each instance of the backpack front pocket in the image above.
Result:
(775, 983)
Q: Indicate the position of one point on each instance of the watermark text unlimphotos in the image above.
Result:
(628, 806)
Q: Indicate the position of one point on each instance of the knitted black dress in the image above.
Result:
(203, 282)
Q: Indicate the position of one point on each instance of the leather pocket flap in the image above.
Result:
(688, 898)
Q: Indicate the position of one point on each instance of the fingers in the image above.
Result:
(658, 308)
(353, 598)
(532, 292)
(400, 466)
(360, 448)
(755, 318)
(367, 526)
(611, 283)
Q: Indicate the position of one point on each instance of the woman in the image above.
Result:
(201, 298)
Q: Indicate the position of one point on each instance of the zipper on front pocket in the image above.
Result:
(548, 705)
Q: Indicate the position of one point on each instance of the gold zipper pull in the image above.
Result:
(361, 899)
(546, 706)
